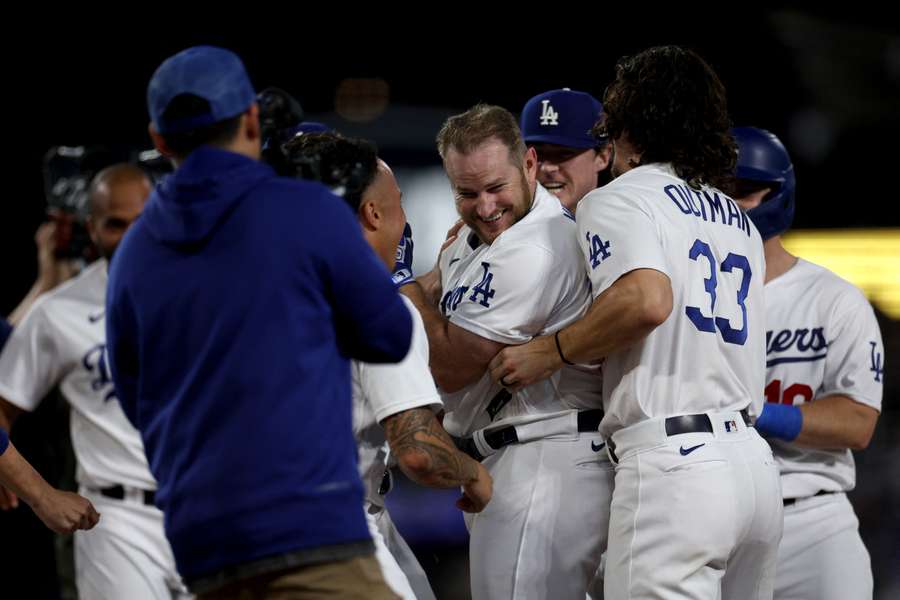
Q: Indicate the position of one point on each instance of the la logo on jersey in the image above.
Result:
(548, 115)
(876, 362)
(598, 250)
(96, 363)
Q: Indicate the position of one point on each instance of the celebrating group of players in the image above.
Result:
(640, 392)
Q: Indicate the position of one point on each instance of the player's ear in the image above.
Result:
(369, 217)
(530, 165)
(602, 156)
(251, 122)
(159, 142)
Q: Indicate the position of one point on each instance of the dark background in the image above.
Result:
(827, 82)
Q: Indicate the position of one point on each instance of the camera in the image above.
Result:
(66, 183)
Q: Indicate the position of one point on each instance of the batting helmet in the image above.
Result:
(762, 157)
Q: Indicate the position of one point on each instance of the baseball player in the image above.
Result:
(394, 405)
(558, 125)
(63, 512)
(61, 341)
(677, 272)
(824, 380)
(513, 273)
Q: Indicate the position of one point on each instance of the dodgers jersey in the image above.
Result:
(380, 391)
(62, 340)
(529, 282)
(709, 354)
(822, 340)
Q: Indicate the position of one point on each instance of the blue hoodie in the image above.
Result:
(233, 306)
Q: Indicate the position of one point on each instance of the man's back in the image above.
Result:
(708, 354)
(225, 328)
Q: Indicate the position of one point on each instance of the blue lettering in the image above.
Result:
(715, 206)
(683, 208)
(745, 223)
(876, 362)
(598, 250)
(783, 341)
(96, 364)
(700, 202)
(734, 213)
(483, 288)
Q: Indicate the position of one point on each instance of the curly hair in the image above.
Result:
(672, 107)
(347, 165)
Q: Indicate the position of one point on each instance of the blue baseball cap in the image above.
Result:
(562, 117)
(213, 74)
(312, 127)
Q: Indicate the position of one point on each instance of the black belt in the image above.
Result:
(699, 423)
(117, 492)
(588, 420)
(792, 501)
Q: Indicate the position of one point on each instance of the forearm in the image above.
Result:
(8, 414)
(19, 312)
(451, 368)
(17, 475)
(425, 452)
(621, 316)
(836, 422)
(430, 286)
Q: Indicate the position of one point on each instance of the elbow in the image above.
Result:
(861, 439)
(655, 308)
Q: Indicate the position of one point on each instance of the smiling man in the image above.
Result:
(511, 274)
(558, 125)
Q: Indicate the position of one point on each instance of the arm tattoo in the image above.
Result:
(417, 435)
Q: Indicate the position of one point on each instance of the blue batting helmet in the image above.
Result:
(762, 157)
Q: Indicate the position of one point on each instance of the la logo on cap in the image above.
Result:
(548, 115)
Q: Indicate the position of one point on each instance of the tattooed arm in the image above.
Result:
(427, 455)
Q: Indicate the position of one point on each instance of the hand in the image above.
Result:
(64, 512)
(477, 493)
(404, 259)
(52, 270)
(515, 367)
(431, 281)
(452, 234)
(8, 500)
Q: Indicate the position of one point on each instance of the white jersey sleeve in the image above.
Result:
(393, 388)
(30, 363)
(382, 390)
(617, 235)
(853, 366)
(504, 299)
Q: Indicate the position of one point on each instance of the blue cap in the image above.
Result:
(312, 127)
(562, 117)
(213, 74)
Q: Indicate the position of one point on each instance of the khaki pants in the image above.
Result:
(354, 579)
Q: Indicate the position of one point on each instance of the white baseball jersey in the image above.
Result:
(822, 340)
(709, 354)
(529, 282)
(380, 391)
(62, 340)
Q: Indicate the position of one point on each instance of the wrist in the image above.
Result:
(782, 421)
(561, 357)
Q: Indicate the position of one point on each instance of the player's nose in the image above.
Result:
(487, 205)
